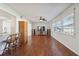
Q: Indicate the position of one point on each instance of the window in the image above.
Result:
(53, 27)
(68, 24)
(57, 26)
(6, 27)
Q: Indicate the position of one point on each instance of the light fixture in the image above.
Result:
(42, 19)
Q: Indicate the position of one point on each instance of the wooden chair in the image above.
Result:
(17, 39)
(7, 44)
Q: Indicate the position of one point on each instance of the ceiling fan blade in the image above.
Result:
(44, 19)
(40, 18)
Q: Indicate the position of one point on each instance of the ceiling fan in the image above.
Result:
(42, 19)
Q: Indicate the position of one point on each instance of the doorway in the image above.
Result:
(41, 30)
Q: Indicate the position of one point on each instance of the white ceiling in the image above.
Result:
(33, 11)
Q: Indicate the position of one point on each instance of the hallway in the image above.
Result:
(43, 46)
(38, 29)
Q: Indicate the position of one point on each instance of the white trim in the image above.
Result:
(67, 46)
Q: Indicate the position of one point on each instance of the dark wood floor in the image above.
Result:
(43, 46)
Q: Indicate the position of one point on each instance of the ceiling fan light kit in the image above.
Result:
(42, 19)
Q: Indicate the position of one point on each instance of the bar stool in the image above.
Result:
(17, 40)
(13, 43)
(7, 45)
(10, 44)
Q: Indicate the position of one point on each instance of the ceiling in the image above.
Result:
(33, 11)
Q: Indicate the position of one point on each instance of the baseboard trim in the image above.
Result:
(67, 46)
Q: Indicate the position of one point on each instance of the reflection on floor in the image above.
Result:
(42, 46)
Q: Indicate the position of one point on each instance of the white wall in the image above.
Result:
(0, 26)
(72, 42)
(29, 29)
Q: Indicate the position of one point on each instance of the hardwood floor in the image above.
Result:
(43, 46)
